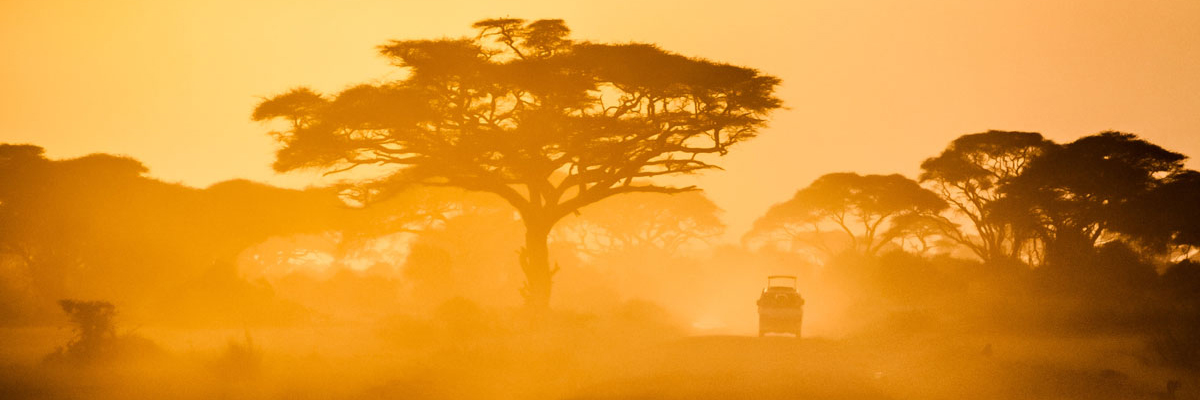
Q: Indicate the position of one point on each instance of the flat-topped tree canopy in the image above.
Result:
(523, 111)
(1082, 194)
(871, 211)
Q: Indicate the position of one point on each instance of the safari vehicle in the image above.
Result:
(780, 307)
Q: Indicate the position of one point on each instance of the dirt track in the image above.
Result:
(728, 367)
(736, 367)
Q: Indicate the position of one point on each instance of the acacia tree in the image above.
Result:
(1080, 193)
(868, 209)
(643, 221)
(522, 111)
(968, 175)
(922, 232)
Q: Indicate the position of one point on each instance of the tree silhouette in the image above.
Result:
(643, 221)
(96, 226)
(926, 231)
(95, 332)
(867, 208)
(968, 175)
(522, 111)
(1166, 220)
(1078, 193)
(54, 211)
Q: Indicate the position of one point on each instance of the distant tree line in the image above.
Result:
(97, 228)
(1005, 197)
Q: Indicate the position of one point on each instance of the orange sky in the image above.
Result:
(872, 86)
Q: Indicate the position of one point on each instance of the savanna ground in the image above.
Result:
(584, 359)
(903, 347)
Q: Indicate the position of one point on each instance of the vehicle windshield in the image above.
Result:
(781, 281)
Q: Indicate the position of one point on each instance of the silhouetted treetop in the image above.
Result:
(1167, 214)
(983, 159)
(582, 105)
(643, 221)
(1077, 191)
(10, 153)
(294, 105)
(867, 208)
(968, 174)
(1102, 170)
(522, 111)
(540, 38)
(877, 194)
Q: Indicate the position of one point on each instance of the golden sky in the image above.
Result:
(871, 86)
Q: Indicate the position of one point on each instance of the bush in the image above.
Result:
(96, 336)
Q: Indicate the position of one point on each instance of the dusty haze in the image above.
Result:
(560, 200)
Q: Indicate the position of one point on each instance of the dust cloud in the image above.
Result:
(504, 227)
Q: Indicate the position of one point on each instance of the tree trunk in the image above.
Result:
(535, 261)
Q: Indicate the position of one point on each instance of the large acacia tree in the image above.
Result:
(522, 111)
